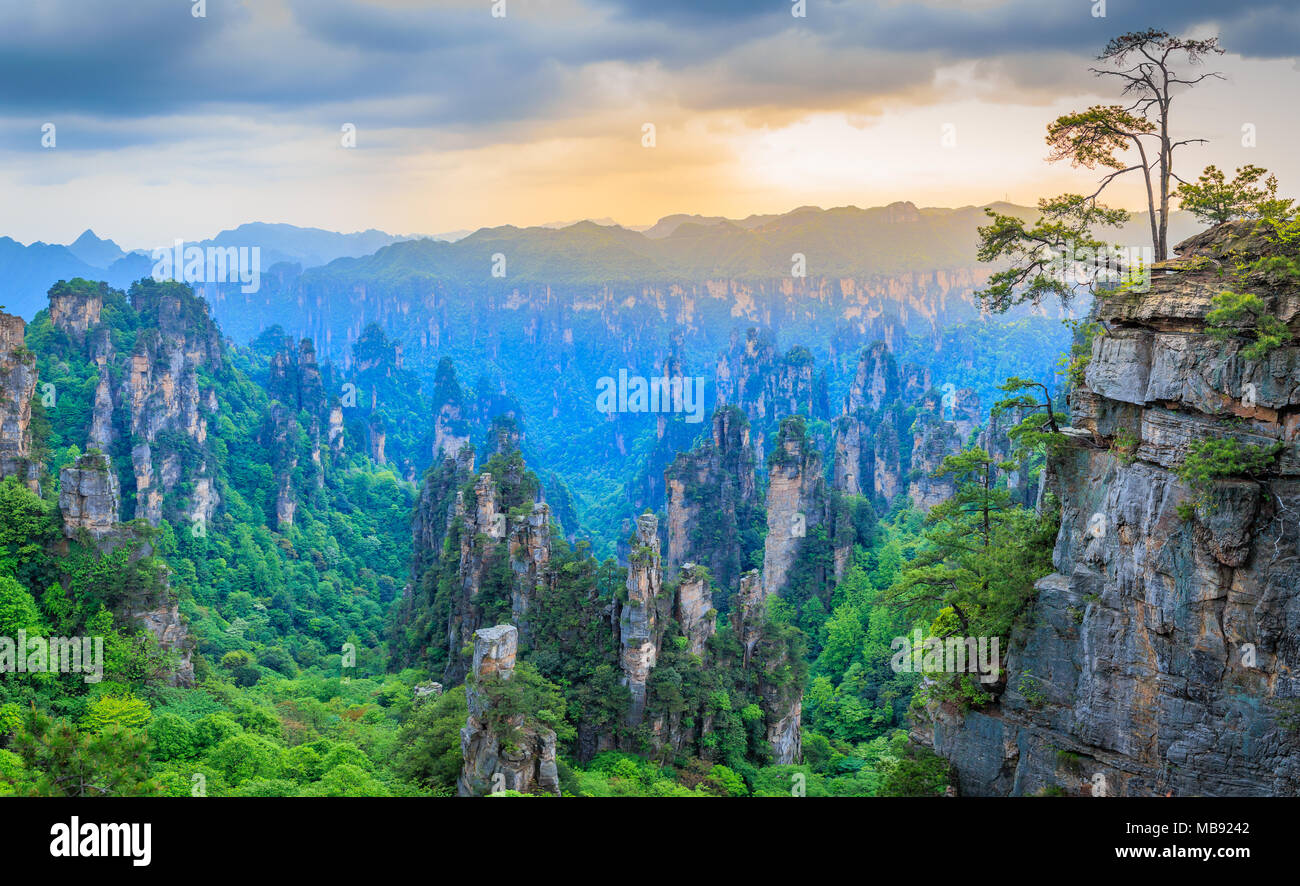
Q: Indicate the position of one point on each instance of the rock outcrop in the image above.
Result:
(501, 751)
(529, 547)
(848, 456)
(1161, 654)
(75, 312)
(887, 478)
(511, 553)
(162, 619)
(876, 382)
(160, 395)
(88, 497)
(89, 502)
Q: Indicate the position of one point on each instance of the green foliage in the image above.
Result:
(1214, 199)
(1037, 433)
(525, 701)
(428, 748)
(1241, 314)
(1075, 363)
(1288, 715)
(121, 709)
(1034, 252)
(1125, 445)
(913, 771)
(1031, 688)
(18, 611)
(725, 783)
(1216, 458)
(171, 737)
(59, 761)
(979, 558)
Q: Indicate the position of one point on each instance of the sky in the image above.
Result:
(168, 123)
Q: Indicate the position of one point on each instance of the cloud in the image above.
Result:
(257, 90)
(152, 57)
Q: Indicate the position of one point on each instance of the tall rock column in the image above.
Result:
(525, 761)
(711, 498)
(530, 552)
(483, 526)
(848, 455)
(796, 500)
(886, 479)
(749, 620)
(782, 703)
(17, 385)
(695, 612)
(638, 624)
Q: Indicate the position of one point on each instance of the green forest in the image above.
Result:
(311, 674)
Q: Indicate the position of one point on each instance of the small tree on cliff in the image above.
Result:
(1120, 139)
(979, 557)
(1144, 62)
(1037, 431)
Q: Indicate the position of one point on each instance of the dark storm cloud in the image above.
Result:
(979, 30)
(392, 30)
(459, 67)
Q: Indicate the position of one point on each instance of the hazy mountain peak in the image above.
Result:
(95, 251)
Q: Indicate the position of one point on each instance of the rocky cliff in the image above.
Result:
(501, 550)
(1160, 656)
(88, 497)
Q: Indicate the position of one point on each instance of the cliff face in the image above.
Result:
(296, 385)
(17, 385)
(695, 612)
(1163, 648)
(876, 382)
(88, 503)
(526, 761)
(886, 479)
(847, 477)
(765, 386)
(529, 549)
(486, 540)
(75, 314)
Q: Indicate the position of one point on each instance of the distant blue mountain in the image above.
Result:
(27, 272)
(94, 251)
